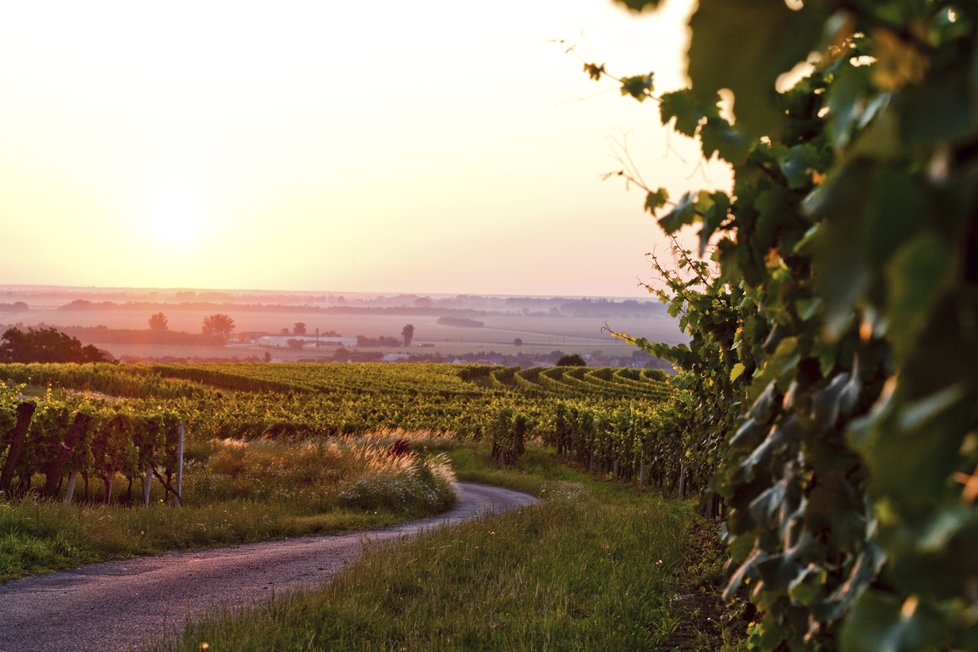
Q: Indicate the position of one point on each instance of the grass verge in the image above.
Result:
(595, 566)
(39, 536)
(569, 574)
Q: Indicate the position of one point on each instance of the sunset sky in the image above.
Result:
(434, 146)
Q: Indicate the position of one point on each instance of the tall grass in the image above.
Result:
(596, 566)
(353, 472)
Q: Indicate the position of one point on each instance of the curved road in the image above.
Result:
(115, 605)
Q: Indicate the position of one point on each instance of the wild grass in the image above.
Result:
(352, 472)
(596, 565)
(235, 492)
(575, 572)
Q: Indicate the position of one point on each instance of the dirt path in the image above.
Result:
(115, 605)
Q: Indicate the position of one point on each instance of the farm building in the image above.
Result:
(304, 341)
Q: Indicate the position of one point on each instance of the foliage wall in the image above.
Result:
(837, 341)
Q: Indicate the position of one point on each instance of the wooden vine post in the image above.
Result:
(70, 489)
(147, 481)
(146, 454)
(25, 412)
(54, 473)
(181, 435)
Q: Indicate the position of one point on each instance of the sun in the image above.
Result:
(177, 223)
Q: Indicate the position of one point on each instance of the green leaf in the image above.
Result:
(717, 136)
(713, 217)
(778, 572)
(686, 109)
(898, 203)
(807, 308)
(917, 278)
(842, 275)
(747, 570)
(797, 164)
(684, 213)
(637, 87)
(943, 526)
(827, 403)
(786, 357)
(880, 622)
(656, 200)
(919, 413)
(867, 566)
(939, 110)
(745, 45)
(749, 434)
(774, 212)
(737, 371)
(765, 506)
(806, 588)
(846, 103)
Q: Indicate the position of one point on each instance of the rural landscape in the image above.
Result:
(730, 406)
(151, 325)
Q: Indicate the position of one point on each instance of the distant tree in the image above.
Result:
(518, 341)
(267, 357)
(296, 344)
(571, 360)
(158, 323)
(47, 345)
(218, 326)
(408, 334)
(299, 328)
(364, 342)
(284, 331)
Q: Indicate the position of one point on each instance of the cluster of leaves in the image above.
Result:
(837, 344)
(635, 443)
(507, 434)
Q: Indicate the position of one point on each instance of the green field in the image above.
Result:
(276, 450)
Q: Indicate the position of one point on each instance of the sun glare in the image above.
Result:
(177, 224)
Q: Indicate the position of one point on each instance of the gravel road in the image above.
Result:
(115, 605)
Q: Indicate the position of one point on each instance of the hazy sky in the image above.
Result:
(431, 146)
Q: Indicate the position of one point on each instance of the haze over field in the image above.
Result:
(422, 147)
(500, 329)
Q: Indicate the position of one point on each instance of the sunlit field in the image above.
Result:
(270, 450)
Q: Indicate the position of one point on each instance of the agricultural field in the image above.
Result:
(262, 434)
(608, 418)
(276, 450)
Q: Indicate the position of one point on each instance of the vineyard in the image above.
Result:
(106, 421)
